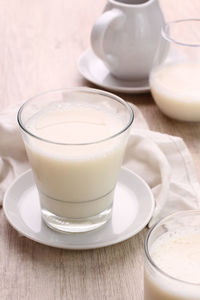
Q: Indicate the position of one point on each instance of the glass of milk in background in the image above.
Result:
(75, 141)
(175, 77)
(172, 258)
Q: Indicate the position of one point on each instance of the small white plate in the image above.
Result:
(132, 209)
(94, 70)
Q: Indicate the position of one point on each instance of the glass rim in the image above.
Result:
(167, 37)
(81, 89)
(146, 245)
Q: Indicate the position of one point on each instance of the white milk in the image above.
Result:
(75, 181)
(176, 90)
(178, 255)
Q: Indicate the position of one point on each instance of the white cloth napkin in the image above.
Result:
(163, 161)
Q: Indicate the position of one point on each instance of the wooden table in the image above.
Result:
(40, 42)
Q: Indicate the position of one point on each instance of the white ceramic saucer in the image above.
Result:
(132, 210)
(94, 70)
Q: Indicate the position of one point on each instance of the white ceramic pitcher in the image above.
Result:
(126, 36)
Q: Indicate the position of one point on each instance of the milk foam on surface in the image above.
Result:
(75, 125)
(177, 254)
(72, 174)
(176, 90)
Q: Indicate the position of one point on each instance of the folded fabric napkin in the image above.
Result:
(163, 161)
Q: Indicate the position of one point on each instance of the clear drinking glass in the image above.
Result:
(175, 76)
(172, 258)
(75, 141)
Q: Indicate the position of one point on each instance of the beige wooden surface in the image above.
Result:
(40, 42)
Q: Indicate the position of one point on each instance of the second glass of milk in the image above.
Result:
(172, 258)
(75, 141)
(175, 77)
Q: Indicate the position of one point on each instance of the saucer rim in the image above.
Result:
(128, 90)
(120, 238)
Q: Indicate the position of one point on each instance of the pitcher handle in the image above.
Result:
(100, 28)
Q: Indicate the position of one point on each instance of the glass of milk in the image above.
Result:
(75, 141)
(175, 77)
(172, 258)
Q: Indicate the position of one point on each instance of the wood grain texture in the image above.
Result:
(40, 42)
